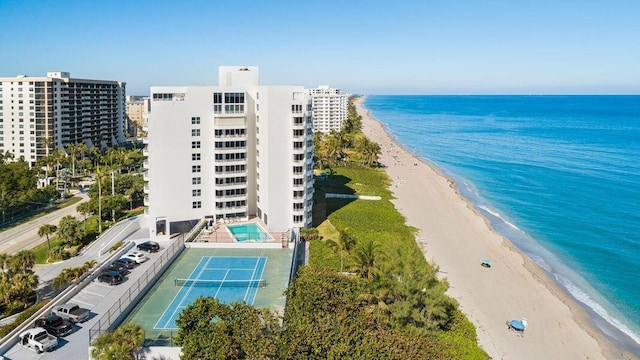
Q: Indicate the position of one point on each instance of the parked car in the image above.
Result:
(38, 339)
(128, 263)
(136, 256)
(119, 267)
(54, 324)
(150, 246)
(110, 277)
(71, 312)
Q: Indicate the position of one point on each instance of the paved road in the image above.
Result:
(98, 250)
(25, 236)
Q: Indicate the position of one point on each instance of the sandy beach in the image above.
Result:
(456, 238)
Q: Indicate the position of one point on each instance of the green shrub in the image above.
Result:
(22, 318)
(116, 246)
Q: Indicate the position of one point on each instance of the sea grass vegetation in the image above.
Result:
(385, 295)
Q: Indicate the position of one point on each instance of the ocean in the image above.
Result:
(557, 175)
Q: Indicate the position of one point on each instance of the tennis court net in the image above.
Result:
(221, 283)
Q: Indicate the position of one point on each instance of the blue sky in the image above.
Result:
(369, 47)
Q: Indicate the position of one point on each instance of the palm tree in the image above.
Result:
(342, 244)
(133, 335)
(333, 148)
(82, 148)
(365, 257)
(96, 154)
(84, 209)
(129, 194)
(69, 230)
(121, 344)
(46, 143)
(61, 281)
(72, 152)
(23, 287)
(22, 262)
(46, 230)
(369, 151)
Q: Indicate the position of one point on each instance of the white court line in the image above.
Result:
(255, 267)
(176, 295)
(188, 291)
(229, 268)
(263, 267)
(220, 287)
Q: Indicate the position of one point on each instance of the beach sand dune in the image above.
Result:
(456, 237)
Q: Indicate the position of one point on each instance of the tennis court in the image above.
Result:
(256, 276)
(226, 278)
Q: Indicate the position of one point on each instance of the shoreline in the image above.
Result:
(455, 236)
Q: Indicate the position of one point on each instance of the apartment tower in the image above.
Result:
(236, 150)
(39, 114)
(329, 108)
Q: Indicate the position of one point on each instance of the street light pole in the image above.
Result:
(113, 211)
(99, 205)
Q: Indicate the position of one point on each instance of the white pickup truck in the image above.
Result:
(71, 312)
(38, 339)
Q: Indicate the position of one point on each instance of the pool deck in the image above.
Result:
(220, 234)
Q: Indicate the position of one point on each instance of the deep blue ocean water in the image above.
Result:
(558, 175)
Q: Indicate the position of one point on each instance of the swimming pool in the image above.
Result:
(248, 232)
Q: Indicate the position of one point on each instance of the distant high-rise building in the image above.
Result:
(39, 114)
(329, 108)
(236, 150)
(137, 111)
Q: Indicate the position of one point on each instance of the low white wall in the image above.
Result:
(348, 196)
(245, 245)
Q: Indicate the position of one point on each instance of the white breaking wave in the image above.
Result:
(498, 216)
(584, 298)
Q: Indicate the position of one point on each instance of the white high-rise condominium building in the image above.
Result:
(61, 109)
(236, 150)
(329, 108)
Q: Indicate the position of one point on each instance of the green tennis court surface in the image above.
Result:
(256, 276)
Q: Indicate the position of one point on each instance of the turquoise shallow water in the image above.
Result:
(558, 175)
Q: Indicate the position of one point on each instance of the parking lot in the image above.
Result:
(98, 297)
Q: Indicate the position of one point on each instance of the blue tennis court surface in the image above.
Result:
(220, 277)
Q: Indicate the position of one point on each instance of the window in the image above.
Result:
(196, 181)
(195, 144)
(195, 121)
(196, 192)
(234, 98)
(162, 97)
(195, 132)
(195, 157)
(296, 108)
(195, 168)
(196, 204)
(297, 218)
(217, 98)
